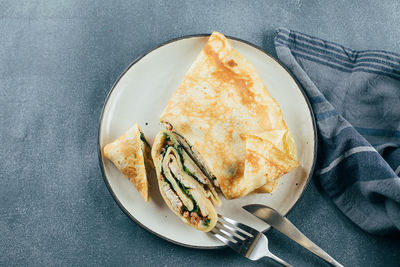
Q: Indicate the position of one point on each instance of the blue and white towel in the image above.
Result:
(355, 96)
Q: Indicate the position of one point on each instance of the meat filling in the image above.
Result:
(176, 188)
(177, 205)
(194, 218)
(173, 198)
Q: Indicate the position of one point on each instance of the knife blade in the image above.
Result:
(283, 225)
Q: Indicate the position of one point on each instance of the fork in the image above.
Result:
(245, 240)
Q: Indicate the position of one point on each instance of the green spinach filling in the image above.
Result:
(183, 139)
(178, 147)
(144, 139)
(182, 187)
(202, 168)
(185, 189)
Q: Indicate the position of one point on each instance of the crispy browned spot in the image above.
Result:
(274, 170)
(129, 151)
(241, 83)
(252, 158)
(242, 86)
(232, 63)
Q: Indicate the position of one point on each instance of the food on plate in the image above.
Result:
(264, 159)
(220, 112)
(131, 154)
(188, 192)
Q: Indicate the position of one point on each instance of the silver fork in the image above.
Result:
(245, 240)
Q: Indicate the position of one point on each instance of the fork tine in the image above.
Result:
(231, 231)
(217, 231)
(225, 239)
(251, 232)
(226, 234)
(243, 239)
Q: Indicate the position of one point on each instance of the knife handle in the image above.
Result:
(288, 229)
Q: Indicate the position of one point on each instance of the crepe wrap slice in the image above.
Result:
(185, 189)
(222, 100)
(131, 154)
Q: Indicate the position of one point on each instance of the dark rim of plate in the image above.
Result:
(137, 60)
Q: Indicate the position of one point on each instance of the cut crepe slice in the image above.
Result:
(183, 186)
(265, 163)
(221, 99)
(131, 154)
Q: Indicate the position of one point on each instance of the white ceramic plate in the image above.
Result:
(140, 95)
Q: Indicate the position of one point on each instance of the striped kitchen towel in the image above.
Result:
(355, 96)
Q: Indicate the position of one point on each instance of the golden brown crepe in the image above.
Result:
(220, 102)
(264, 159)
(283, 141)
(131, 153)
(185, 189)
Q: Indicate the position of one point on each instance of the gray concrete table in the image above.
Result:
(57, 63)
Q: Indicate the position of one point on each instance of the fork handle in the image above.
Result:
(277, 259)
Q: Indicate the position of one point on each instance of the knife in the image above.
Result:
(283, 225)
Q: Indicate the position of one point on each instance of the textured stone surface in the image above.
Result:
(57, 63)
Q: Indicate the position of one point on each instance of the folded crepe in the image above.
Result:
(131, 154)
(187, 191)
(264, 159)
(220, 102)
